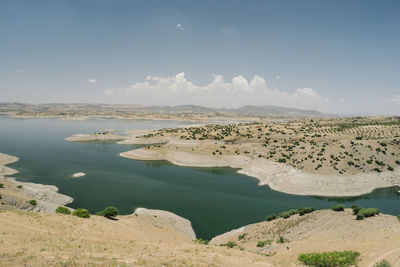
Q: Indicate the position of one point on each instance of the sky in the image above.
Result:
(338, 56)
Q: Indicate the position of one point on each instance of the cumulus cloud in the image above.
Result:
(92, 81)
(174, 90)
(179, 26)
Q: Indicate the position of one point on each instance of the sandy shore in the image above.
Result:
(95, 137)
(47, 196)
(278, 176)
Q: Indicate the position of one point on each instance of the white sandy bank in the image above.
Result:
(278, 176)
(47, 196)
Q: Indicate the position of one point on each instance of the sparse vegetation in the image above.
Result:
(263, 243)
(82, 213)
(338, 207)
(63, 210)
(330, 259)
(202, 241)
(19, 186)
(229, 244)
(282, 239)
(305, 210)
(364, 213)
(1, 185)
(383, 263)
(33, 202)
(271, 217)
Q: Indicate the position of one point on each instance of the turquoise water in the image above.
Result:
(216, 200)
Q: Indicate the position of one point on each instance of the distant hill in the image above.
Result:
(64, 109)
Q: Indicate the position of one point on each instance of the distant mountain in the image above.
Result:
(274, 110)
(63, 109)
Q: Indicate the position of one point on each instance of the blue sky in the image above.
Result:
(336, 56)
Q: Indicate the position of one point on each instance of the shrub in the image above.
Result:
(20, 186)
(82, 213)
(240, 237)
(356, 209)
(364, 213)
(229, 244)
(282, 160)
(271, 217)
(202, 241)
(109, 212)
(287, 214)
(1, 185)
(398, 217)
(398, 162)
(32, 202)
(282, 240)
(330, 259)
(338, 207)
(63, 210)
(390, 168)
(383, 263)
(263, 243)
(305, 210)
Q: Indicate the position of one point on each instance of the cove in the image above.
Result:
(215, 200)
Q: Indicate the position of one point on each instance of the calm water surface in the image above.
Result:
(216, 200)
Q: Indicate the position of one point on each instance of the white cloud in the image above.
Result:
(395, 99)
(179, 26)
(175, 90)
(92, 81)
(109, 92)
(277, 77)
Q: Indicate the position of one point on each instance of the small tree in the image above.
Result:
(109, 212)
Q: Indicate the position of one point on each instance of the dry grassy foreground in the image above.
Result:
(38, 239)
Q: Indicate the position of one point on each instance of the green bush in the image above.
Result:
(383, 263)
(285, 214)
(398, 162)
(263, 243)
(82, 213)
(356, 209)
(109, 212)
(398, 217)
(330, 259)
(240, 237)
(1, 185)
(20, 186)
(305, 210)
(229, 244)
(32, 202)
(271, 217)
(63, 210)
(364, 213)
(338, 207)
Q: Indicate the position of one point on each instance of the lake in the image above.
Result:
(215, 200)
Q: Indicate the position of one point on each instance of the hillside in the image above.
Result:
(137, 111)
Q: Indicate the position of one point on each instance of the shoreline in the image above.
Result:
(278, 176)
(47, 196)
